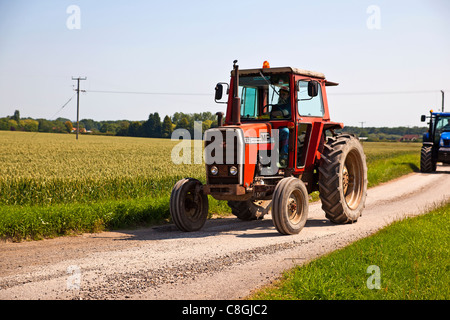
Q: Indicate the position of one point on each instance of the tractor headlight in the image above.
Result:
(233, 170)
(214, 170)
(441, 142)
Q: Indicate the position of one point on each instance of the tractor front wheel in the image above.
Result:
(290, 206)
(427, 164)
(188, 205)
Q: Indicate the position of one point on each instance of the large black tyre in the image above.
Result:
(188, 205)
(427, 164)
(343, 179)
(250, 210)
(290, 206)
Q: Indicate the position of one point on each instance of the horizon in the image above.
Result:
(142, 57)
(170, 116)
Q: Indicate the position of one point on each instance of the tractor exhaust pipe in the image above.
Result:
(236, 103)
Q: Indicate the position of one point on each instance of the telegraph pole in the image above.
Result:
(78, 101)
(442, 91)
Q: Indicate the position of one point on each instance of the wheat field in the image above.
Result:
(49, 168)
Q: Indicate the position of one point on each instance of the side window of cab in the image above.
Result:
(309, 106)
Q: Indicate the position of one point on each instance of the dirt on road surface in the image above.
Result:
(227, 259)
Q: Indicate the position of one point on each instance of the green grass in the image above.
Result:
(55, 176)
(385, 169)
(37, 222)
(413, 256)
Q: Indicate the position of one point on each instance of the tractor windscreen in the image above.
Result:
(265, 97)
(442, 125)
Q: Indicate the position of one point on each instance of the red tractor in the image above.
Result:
(276, 146)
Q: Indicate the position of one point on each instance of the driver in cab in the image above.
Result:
(283, 111)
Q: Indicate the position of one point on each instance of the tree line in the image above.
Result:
(385, 133)
(153, 127)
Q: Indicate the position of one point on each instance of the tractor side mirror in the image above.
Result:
(313, 88)
(219, 92)
(423, 118)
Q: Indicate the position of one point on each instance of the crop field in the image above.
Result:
(52, 184)
(40, 169)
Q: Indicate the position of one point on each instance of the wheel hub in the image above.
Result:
(345, 179)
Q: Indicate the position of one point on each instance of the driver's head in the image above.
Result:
(284, 95)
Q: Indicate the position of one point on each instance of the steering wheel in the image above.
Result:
(277, 112)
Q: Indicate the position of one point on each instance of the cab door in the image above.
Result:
(309, 125)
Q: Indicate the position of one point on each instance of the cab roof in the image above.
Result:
(441, 114)
(302, 72)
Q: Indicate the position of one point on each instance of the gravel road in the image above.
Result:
(227, 259)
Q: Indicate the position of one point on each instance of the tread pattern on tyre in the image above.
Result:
(176, 210)
(427, 164)
(330, 189)
(279, 216)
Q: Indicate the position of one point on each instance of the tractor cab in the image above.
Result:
(291, 100)
(436, 142)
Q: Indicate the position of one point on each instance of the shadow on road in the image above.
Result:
(256, 229)
(211, 228)
(440, 169)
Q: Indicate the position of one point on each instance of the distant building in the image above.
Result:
(409, 138)
(82, 130)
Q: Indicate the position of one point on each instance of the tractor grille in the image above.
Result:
(446, 142)
(224, 148)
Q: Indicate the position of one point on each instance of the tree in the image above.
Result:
(167, 128)
(152, 127)
(183, 123)
(29, 125)
(157, 125)
(16, 116)
(13, 125)
(45, 125)
(135, 129)
(69, 126)
(90, 124)
(4, 124)
(123, 128)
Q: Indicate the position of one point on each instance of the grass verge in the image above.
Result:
(412, 257)
(19, 223)
(386, 169)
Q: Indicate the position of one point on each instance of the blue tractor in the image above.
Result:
(436, 142)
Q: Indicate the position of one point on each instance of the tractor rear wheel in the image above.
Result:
(343, 179)
(426, 159)
(250, 209)
(188, 205)
(290, 206)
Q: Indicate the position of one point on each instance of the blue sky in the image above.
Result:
(189, 46)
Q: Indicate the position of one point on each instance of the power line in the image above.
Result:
(209, 94)
(383, 92)
(65, 104)
(60, 109)
(151, 93)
